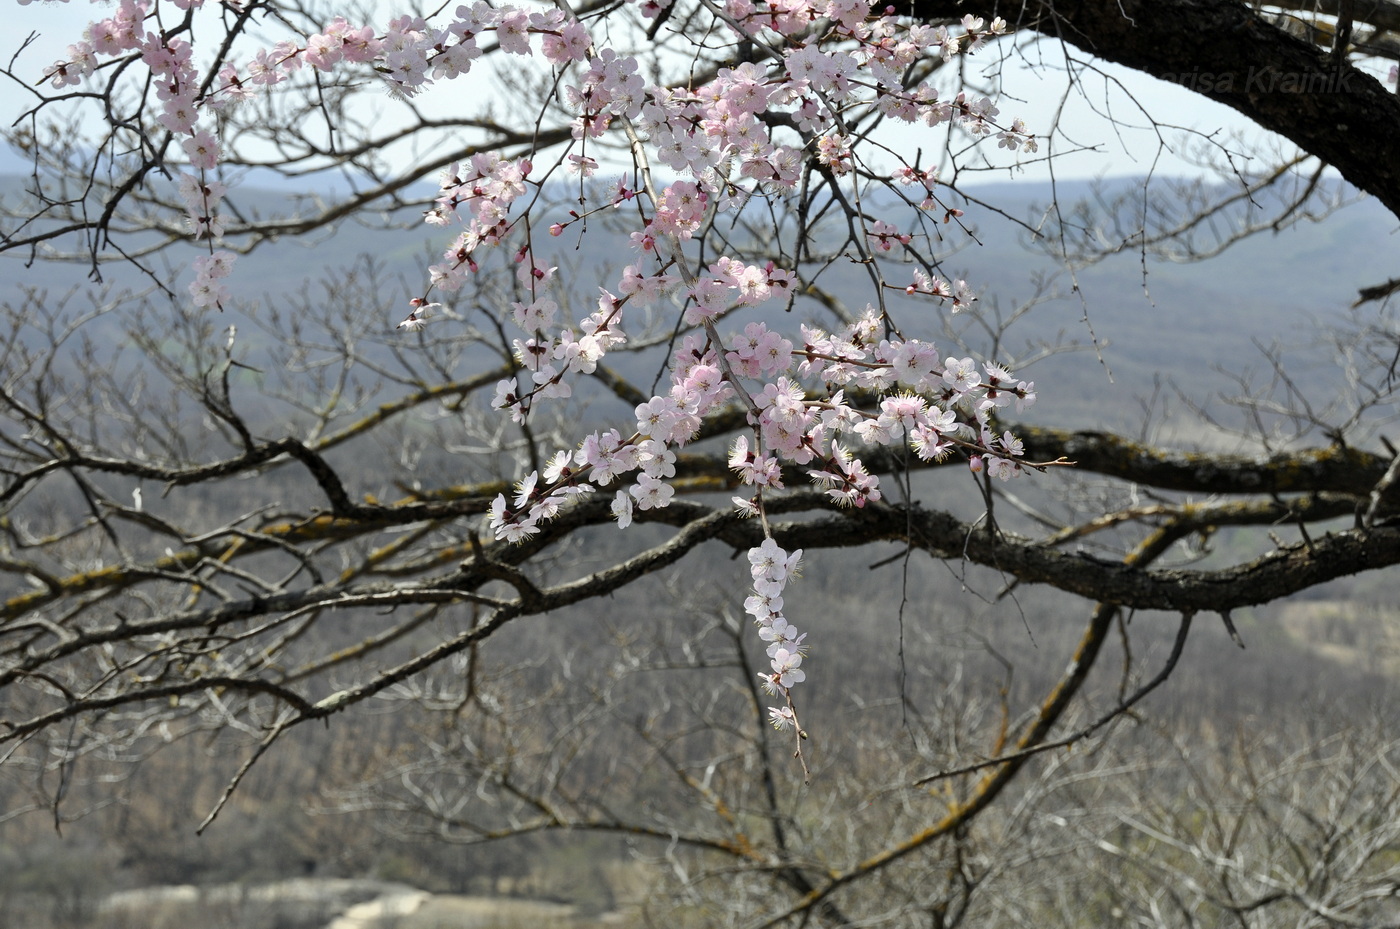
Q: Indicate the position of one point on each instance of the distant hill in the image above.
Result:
(1194, 323)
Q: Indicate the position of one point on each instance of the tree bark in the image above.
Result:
(1228, 53)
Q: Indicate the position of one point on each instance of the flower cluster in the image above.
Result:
(484, 188)
(772, 568)
(202, 197)
(750, 130)
(208, 288)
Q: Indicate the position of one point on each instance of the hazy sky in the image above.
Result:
(1089, 143)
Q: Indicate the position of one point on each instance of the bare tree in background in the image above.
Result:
(244, 519)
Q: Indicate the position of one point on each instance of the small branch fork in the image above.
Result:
(1122, 708)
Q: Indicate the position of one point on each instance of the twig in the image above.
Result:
(1093, 727)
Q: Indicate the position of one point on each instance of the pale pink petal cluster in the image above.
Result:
(744, 132)
(208, 288)
(771, 567)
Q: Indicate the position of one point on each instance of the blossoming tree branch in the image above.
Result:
(725, 140)
(427, 447)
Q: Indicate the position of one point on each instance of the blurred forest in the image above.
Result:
(1256, 784)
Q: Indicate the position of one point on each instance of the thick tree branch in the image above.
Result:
(1269, 577)
(1228, 53)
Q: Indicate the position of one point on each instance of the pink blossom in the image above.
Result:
(622, 509)
(203, 151)
(786, 668)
